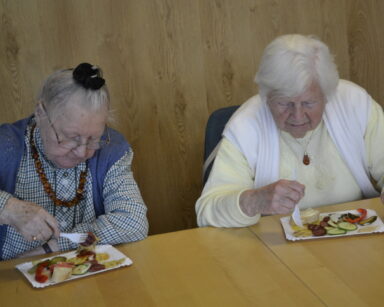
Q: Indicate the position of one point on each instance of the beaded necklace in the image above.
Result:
(47, 186)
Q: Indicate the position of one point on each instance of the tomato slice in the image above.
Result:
(42, 272)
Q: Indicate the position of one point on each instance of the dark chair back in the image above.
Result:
(215, 126)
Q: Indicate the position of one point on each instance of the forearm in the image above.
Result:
(125, 212)
(250, 204)
(219, 204)
(117, 227)
(374, 142)
(4, 202)
(222, 209)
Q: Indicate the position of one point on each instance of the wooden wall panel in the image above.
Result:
(169, 64)
(366, 45)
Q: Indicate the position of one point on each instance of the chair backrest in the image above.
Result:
(215, 126)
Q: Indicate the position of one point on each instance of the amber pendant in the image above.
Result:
(306, 159)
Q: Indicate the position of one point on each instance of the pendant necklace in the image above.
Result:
(306, 160)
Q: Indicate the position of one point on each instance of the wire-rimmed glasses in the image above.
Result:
(72, 143)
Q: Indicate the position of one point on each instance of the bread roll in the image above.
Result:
(309, 216)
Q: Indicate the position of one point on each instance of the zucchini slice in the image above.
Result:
(58, 259)
(336, 231)
(347, 226)
(81, 269)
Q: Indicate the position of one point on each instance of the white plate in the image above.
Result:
(113, 253)
(375, 227)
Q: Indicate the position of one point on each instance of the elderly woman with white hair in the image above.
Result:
(307, 137)
(63, 170)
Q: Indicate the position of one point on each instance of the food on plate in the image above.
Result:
(43, 272)
(368, 221)
(89, 244)
(367, 229)
(333, 224)
(352, 218)
(81, 268)
(102, 257)
(333, 231)
(61, 271)
(309, 216)
(60, 268)
(113, 263)
(317, 230)
(347, 226)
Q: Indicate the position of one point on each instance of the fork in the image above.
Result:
(75, 237)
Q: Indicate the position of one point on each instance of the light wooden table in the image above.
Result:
(341, 271)
(197, 267)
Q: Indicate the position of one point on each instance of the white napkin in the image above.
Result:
(296, 216)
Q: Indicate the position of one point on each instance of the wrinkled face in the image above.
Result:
(75, 123)
(300, 114)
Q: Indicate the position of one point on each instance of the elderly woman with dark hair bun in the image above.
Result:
(307, 137)
(63, 170)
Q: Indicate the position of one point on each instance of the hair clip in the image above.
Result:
(89, 76)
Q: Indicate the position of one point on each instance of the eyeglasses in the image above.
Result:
(72, 143)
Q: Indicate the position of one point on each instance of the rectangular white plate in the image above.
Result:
(375, 227)
(113, 253)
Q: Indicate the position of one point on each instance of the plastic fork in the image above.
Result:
(75, 237)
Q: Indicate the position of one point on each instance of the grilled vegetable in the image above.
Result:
(42, 272)
(58, 259)
(369, 220)
(351, 218)
(81, 269)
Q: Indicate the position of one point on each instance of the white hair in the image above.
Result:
(291, 63)
(60, 88)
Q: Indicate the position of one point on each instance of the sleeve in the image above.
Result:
(125, 212)
(4, 196)
(218, 204)
(374, 142)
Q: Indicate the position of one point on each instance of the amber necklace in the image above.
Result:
(47, 186)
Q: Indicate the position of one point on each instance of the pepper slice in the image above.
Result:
(363, 214)
(42, 272)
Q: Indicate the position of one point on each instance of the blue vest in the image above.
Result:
(12, 147)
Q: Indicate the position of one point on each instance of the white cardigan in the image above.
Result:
(253, 131)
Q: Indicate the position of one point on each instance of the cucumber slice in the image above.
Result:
(332, 223)
(81, 269)
(336, 231)
(347, 226)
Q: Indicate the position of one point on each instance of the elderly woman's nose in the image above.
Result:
(298, 112)
(80, 151)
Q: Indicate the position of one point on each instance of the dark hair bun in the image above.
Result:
(88, 76)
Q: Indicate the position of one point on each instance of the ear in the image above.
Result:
(39, 113)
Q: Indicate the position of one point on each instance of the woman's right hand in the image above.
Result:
(279, 197)
(30, 220)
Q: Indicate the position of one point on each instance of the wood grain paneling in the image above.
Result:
(169, 64)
